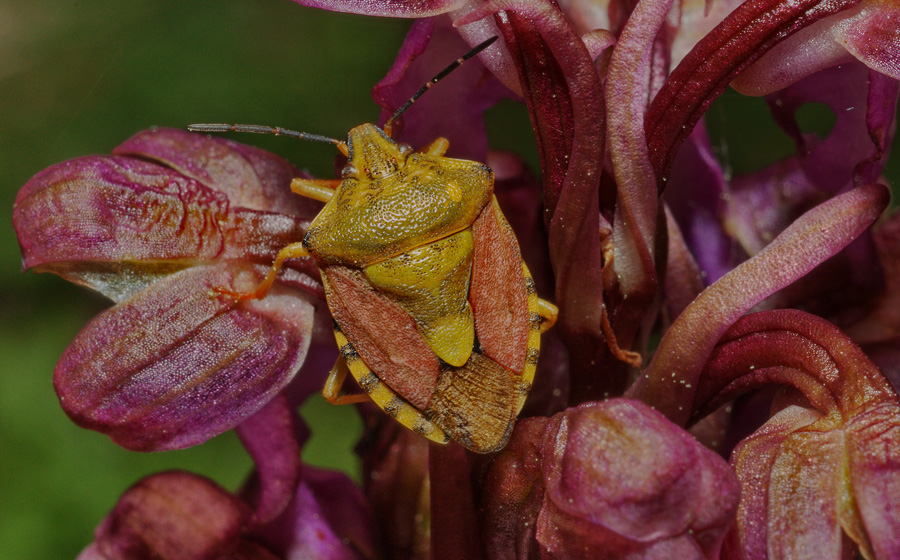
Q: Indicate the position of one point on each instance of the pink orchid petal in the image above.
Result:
(249, 177)
(804, 485)
(385, 8)
(867, 32)
(872, 35)
(612, 478)
(599, 43)
(117, 209)
(670, 380)
(698, 18)
(696, 193)
(624, 467)
(273, 437)
(805, 352)
(118, 224)
(874, 462)
(630, 71)
(745, 35)
(172, 515)
(327, 519)
(753, 460)
(174, 365)
(841, 466)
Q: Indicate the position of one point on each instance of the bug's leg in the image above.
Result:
(332, 389)
(292, 251)
(317, 189)
(438, 147)
(548, 313)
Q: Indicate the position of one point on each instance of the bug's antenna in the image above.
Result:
(262, 129)
(440, 76)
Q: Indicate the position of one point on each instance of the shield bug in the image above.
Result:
(435, 313)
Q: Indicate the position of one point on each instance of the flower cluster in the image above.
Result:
(722, 380)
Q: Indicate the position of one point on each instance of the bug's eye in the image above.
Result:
(349, 170)
(405, 149)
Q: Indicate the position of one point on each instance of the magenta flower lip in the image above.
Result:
(171, 365)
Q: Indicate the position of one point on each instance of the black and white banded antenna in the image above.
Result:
(263, 129)
(440, 76)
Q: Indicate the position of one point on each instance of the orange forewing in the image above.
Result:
(384, 335)
(498, 295)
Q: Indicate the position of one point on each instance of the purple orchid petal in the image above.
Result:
(803, 351)
(670, 380)
(474, 30)
(631, 69)
(669, 488)
(846, 451)
(697, 19)
(695, 193)
(761, 205)
(328, 519)
(385, 8)
(883, 323)
(684, 280)
(864, 104)
(868, 32)
(563, 95)
(872, 446)
(118, 224)
(172, 515)
(613, 476)
(871, 36)
(755, 460)
(744, 36)
(115, 208)
(455, 109)
(599, 44)
(249, 177)
(173, 366)
(273, 437)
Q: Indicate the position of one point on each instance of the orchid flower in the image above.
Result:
(719, 382)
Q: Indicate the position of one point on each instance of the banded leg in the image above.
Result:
(382, 395)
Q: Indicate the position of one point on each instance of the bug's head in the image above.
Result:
(372, 154)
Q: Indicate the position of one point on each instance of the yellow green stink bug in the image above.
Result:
(435, 313)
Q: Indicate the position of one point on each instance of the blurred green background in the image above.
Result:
(78, 78)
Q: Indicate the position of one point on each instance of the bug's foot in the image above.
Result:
(237, 296)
